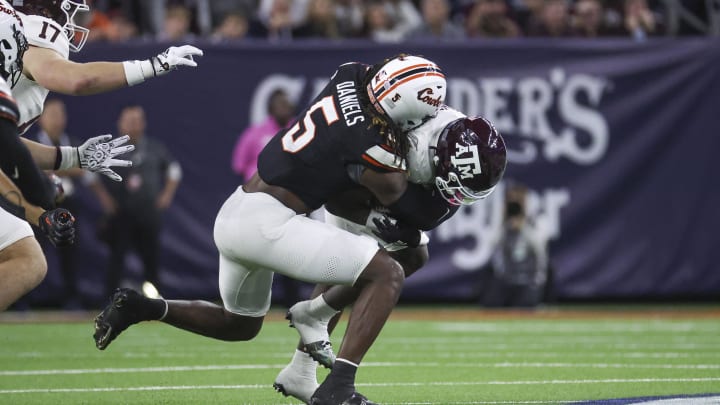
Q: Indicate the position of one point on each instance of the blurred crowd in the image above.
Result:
(382, 20)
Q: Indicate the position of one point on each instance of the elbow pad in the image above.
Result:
(421, 208)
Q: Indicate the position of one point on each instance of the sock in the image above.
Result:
(155, 309)
(320, 309)
(303, 364)
(343, 373)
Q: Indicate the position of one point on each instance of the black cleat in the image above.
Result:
(123, 311)
(354, 399)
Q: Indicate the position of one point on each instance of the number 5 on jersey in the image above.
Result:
(294, 144)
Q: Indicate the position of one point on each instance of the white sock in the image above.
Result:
(302, 363)
(320, 309)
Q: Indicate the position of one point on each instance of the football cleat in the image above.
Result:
(122, 312)
(313, 333)
(354, 399)
(292, 383)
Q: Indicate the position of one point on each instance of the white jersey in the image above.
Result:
(30, 96)
(5, 88)
(421, 169)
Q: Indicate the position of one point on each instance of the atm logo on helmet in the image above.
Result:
(424, 96)
(467, 166)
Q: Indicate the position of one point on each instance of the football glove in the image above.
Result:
(59, 226)
(173, 57)
(137, 71)
(98, 154)
(391, 230)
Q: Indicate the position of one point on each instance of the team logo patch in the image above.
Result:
(425, 95)
(467, 161)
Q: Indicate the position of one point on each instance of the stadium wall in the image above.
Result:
(616, 139)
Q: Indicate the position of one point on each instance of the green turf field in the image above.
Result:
(451, 356)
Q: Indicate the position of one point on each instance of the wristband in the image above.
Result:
(136, 71)
(69, 158)
(58, 158)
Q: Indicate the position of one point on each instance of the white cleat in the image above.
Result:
(291, 382)
(313, 333)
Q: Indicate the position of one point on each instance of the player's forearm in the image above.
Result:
(170, 188)
(44, 156)
(79, 79)
(12, 200)
(18, 162)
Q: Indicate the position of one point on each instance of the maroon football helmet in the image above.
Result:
(470, 160)
(62, 12)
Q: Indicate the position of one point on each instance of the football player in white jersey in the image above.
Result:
(459, 158)
(24, 192)
(52, 34)
(26, 195)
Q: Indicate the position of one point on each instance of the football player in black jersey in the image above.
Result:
(455, 158)
(353, 133)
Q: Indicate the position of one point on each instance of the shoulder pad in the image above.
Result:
(45, 33)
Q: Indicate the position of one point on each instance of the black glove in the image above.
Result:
(59, 226)
(395, 231)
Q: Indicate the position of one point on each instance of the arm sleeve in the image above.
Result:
(17, 162)
(422, 208)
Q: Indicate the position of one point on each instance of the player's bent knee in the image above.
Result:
(396, 275)
(412, 259)
(37, 270)
(241, 328)
(27, 260)
(383, 269)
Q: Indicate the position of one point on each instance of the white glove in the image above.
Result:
(173, 57)
(137, 71)
(98, 155)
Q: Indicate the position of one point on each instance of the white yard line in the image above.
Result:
(221, 367)
(533, 328)
(392, 384)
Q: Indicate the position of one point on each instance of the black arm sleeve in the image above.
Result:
(11, 205)
(17, 163)
(422, 208)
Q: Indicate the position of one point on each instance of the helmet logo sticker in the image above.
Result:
(467, 166)
(425, 94)
(12, 13)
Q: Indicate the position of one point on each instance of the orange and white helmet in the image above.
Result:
(409, 90)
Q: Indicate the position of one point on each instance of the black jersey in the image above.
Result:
(15, 158)
(311, 157)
